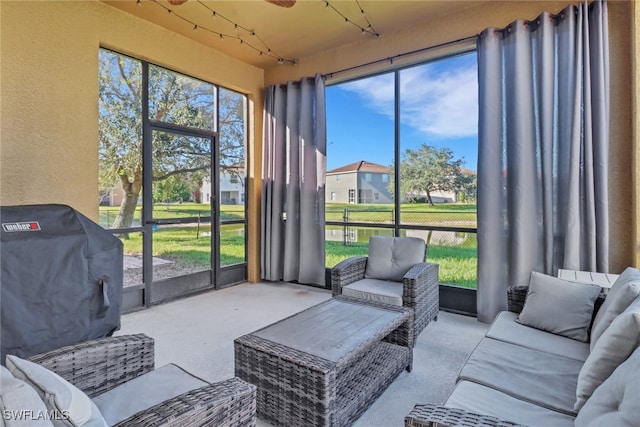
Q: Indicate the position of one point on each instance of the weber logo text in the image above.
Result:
(21, 226)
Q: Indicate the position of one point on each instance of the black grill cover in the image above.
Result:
(61, 279)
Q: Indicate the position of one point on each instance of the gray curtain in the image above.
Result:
(543, 149)
(293, 181)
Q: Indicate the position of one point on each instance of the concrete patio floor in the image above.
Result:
(197, 333)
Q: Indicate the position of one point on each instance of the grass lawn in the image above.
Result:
(410, 213)
(183, 244)
(173, 210)
(188, 248)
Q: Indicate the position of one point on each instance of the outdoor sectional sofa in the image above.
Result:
(553, 359)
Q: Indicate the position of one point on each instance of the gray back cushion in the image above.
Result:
(615, 345)
(391, 257)
(616, 402)
(559, 306)
(16, 395)
(57, 394)
(620, 296)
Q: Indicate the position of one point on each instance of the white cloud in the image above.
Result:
(439, 103)
(378, 91)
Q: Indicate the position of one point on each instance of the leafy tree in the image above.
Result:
(120, 130)
(173, 98)
(428, 169)
(468, 186)
(172, 189)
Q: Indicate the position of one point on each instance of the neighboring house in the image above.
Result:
(232, 189)
(366, 182)
(437, 196)
(111, 196)
(359, 182)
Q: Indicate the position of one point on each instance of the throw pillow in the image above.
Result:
(622, 293)
(559, 306)
(391, 257)
(74, 407)
(615, 402)
(19, 403)
(615, 345)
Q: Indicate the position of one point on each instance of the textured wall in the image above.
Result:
(635, 16)
(621, 184)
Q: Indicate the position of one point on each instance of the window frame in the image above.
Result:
(222, 275)
(396, 225)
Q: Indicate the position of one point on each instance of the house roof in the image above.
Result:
(360, 166)
(468, 171)
(364, 166)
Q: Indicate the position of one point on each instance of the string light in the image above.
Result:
(369, 26)
(266, 50)
(364, 30)
(237, 27)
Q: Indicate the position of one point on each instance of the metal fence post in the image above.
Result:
(345, 221)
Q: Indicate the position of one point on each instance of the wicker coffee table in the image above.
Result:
(325, 365)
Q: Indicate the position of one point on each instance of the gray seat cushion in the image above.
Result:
(613, 347)
(391, 257)
(484, 400)
(544, 379)
(505, 328)
(559, 306)
(616, 402)
(145, 391)
(375, 290)
(622, 293)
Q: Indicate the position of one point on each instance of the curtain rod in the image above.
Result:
(400, 55)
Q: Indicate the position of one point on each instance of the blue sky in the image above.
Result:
(439, 107)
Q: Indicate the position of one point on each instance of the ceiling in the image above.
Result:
(285, 33)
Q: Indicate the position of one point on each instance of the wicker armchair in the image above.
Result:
(420, 287)
(98, 366)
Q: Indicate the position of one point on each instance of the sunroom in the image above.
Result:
(193, 194)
